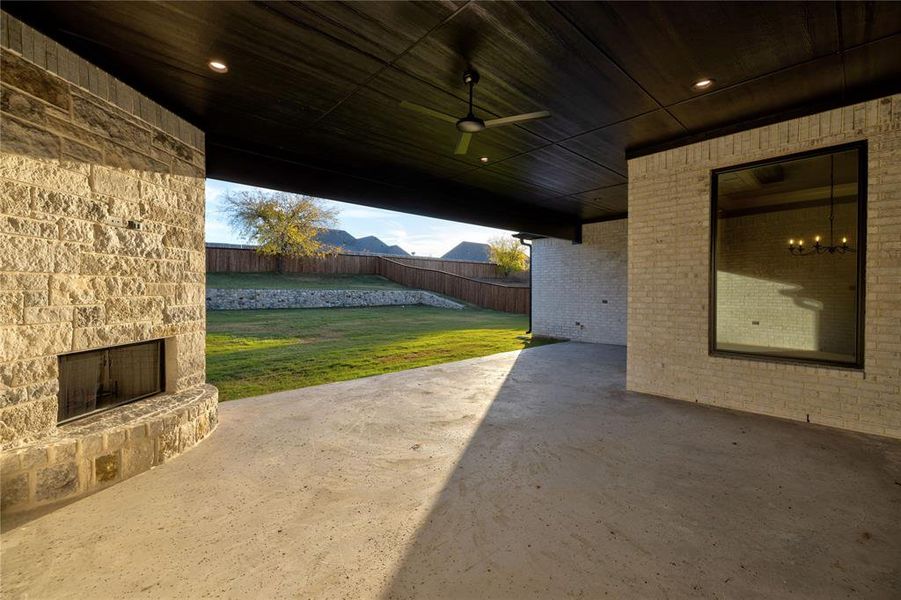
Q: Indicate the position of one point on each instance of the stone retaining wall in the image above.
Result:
(257, 299)
(93, 453)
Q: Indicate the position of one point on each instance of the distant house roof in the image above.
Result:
(370, 243)
(338, 238)
(469, 251)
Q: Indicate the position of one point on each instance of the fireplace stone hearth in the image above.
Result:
(97, 451)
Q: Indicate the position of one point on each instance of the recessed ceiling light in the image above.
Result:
(218, 66)
(702, 84)
(484, 159)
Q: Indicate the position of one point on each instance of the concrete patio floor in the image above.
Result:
(520, 475)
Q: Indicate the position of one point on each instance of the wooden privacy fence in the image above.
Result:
(247, 260)
(458, 279)
(497, 296)
(242, 260)
(476, 270)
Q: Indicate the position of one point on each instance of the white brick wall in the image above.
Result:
(669, 199)
(579, 291)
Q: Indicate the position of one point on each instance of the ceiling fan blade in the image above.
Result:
(428, 111)
(532, 116)
(463, 143)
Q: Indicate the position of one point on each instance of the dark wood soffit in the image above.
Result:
(314, 80)
(611, 217)
(802, 110)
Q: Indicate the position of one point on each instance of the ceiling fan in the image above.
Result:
(471, 124)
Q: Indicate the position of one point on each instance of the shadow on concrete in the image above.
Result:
(572, 487)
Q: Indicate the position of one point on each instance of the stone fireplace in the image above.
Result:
(102, 320)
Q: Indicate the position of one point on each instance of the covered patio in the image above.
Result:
(530, 474)
(652, 151)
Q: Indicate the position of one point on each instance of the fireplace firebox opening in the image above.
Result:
(98, 380)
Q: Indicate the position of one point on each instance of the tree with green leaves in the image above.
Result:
(279, 223)
(508, 254)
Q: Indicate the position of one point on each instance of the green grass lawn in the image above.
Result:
(261, 351)
(289, 281)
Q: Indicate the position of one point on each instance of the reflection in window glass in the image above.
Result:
(786, 253)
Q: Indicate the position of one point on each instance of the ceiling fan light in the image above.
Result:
(470, 124)
(218, 66)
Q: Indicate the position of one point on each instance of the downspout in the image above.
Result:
(529, 246)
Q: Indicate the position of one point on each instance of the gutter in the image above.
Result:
(522, 237)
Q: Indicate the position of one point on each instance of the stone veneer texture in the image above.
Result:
(87, 455)
(579, 290)
(669, 246)
(101, 227)
(262, 299)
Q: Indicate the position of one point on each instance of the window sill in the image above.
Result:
(801, 362)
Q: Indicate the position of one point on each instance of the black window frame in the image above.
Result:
(858, 364)
(161, 387)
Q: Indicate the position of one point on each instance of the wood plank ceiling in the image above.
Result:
(310, 102)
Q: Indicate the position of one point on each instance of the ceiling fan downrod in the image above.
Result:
(470, 123)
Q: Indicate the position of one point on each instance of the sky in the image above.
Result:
(423, 236)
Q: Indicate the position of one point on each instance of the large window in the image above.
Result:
(787, 257)
(100, 379)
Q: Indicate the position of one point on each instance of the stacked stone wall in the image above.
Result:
(96, 453)
(101, 244)
(101, 225)
(261, 299)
